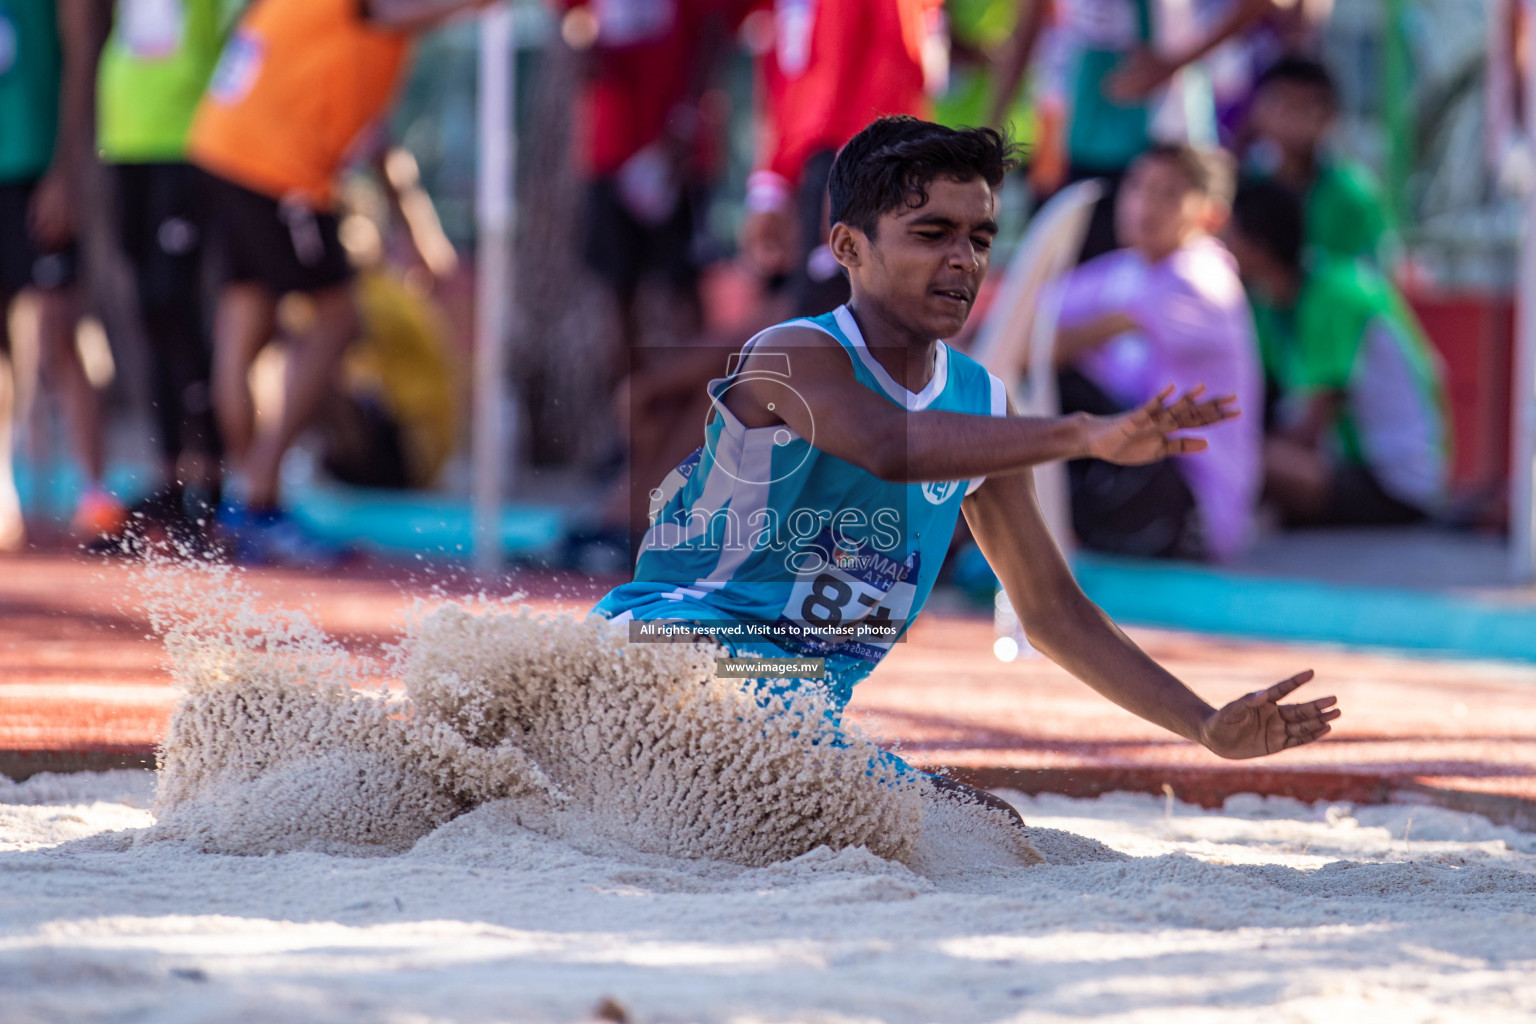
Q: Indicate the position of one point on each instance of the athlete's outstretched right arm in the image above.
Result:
(823, 402)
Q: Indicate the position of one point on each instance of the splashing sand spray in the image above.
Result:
(283, 740)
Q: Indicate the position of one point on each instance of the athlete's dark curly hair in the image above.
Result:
(890, 163)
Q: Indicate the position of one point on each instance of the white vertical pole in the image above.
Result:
(493, 280)
(1522, 505)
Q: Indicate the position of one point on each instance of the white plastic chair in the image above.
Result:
(1017, 342)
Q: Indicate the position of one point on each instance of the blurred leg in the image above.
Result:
(65, 374)
(312, 366)
(243, 323)
(163, 236)
(12, 530)
(1297, 479)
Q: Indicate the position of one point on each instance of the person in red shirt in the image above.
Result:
(644, 144)
(833, 68)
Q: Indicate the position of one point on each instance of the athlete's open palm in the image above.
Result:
(1145, 434)
(1259, 724)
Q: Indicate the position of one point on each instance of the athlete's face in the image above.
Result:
(924, 264)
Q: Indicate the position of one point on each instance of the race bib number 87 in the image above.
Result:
(851, 587)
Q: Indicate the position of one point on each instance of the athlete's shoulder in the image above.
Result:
(803, 331)
(984, 390)
(965, 370)
(775, 349)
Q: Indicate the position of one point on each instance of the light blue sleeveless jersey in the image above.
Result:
(762, 529)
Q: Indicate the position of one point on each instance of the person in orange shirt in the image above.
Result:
(833, 68)
(296, 86)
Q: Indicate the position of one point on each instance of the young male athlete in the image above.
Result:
(843, 448)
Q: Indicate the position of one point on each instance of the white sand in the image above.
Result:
(1275, 909)
(548, 816)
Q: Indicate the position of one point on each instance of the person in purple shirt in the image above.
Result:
(1167, 310)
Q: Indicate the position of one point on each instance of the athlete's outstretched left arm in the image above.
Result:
(1071, 630)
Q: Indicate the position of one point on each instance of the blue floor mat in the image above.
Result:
(384, 521)
(415, 523)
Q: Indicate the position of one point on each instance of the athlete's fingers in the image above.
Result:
(1191, 397)
(1272, 694)
(1286, 687)
(1201, 414)
(1309, 737)
(1154, 407)
(1191, 413)
(1184, 445)
(1309, 710)
(1213, 411)
(1181, 405)
(1306, 726)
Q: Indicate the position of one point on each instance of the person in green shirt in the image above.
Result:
(1358, 432)
(44, 149)
(1295, 104)
(978, 30)
(153, 69)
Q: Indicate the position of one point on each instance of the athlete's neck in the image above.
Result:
(907, 357)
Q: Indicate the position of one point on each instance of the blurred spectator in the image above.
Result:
(45, 138)
(396, 415)
(1294, 106)
(1167, 309)
(1360, 433)
(649, 124)
(1115, 69)
(833, 68)
(297, 84)
(152, 72)
(1291, 27)
(979, 30)
(646, 145)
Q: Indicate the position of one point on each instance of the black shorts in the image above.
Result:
(256, 239)
(1356, 498)
(1145, 511)
(160, 228)
(622, 249)
(22, 263)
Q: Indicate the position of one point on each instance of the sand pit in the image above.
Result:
(1273, 909)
